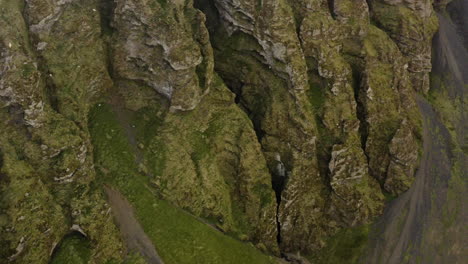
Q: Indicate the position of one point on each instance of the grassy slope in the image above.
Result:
(178, 237)
(74, 249)
(345, 247)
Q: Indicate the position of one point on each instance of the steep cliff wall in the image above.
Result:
(275, 122)
(343, 84)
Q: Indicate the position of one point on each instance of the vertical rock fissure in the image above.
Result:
(278, 177)
(106, 11)
(360, 111)
(277, 174)
(278, 182)
(331, 7)
(369, 5)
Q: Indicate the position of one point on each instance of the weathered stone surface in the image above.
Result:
(165, 47)
(411, 24)
(272, 25)
(403, 160)
(387, 98)
(71, 57)
(45, 145)
(355, 195)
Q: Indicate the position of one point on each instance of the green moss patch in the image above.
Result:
(74, 249)
(178, 236)
(345, 247)
(316, 97)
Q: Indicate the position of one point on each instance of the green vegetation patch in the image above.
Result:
(74, 249)
(345, 247)
(316, 97)
(178, 236)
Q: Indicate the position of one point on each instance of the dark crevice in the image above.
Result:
(208, 8)
(278, 183)
(324, 153)
(357, 70)
(106, 12)
(331, 8)
(259, 132)
(278, 226)
(324, 157)
(369, 5)
(51, 92)
(278, 179)
(360, 109)
(235, 85)
(237, 99)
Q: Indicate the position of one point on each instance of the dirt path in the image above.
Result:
(132, 232)
(398, 235)
(402, 224)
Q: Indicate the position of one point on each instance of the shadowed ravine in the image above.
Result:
(409, 231)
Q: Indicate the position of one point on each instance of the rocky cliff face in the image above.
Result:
(279, 122)
(343, 85)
